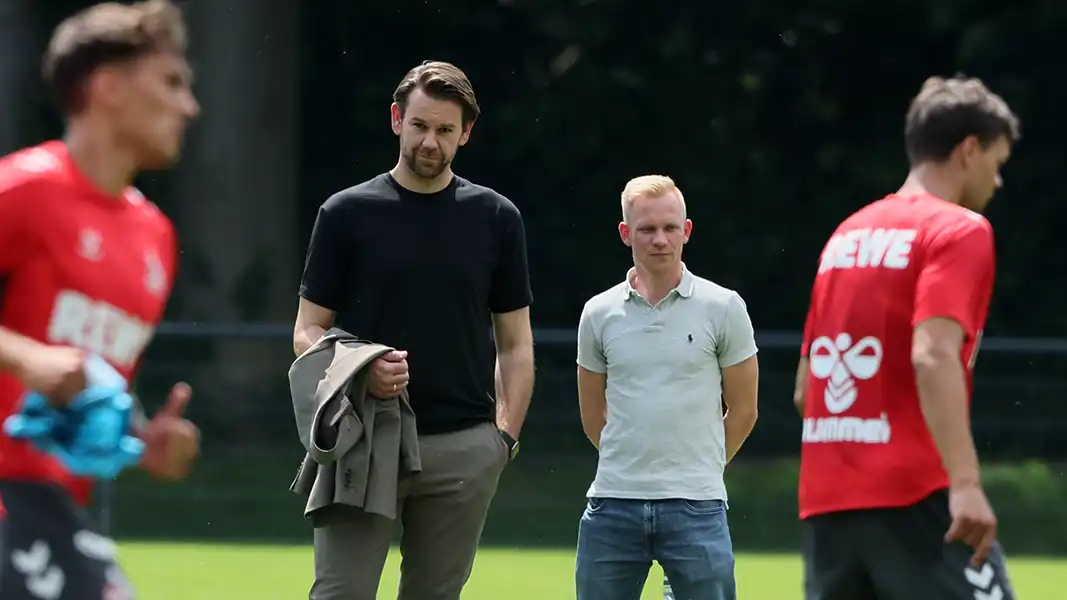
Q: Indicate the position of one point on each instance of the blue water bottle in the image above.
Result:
(668, 593)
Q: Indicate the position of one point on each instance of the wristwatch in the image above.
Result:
(512, 444)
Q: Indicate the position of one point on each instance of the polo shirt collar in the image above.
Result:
(684, 288)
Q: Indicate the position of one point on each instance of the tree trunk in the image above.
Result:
(236, 197)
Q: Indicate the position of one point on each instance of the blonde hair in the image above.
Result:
(649, 186)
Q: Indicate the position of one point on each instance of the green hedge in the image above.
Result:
(540, 501)
(1030, 500)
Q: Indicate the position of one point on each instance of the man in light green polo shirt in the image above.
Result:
(658, 356)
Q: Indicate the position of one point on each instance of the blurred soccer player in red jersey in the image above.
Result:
(87, 265)
(890, 495)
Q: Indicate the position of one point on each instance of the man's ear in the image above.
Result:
(466, 134)
(105, 84)
(396, 118)
(970, 149)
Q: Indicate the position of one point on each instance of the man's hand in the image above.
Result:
(172, 442)
(389, 375)
(56, 372)
(973, 521)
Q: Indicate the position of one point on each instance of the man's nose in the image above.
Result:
(192, 107)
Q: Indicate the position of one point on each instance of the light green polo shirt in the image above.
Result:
(664, 436)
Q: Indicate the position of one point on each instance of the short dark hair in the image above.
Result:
(947, 111)
(442, 81)
(107, 33)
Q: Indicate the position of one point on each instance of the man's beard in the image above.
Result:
(423, 170)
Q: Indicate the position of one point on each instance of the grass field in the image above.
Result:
(214, 572)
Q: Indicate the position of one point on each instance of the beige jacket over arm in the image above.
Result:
(358, 446)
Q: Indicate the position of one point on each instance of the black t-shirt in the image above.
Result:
(423, 273)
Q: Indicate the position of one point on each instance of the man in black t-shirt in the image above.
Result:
(426, 262)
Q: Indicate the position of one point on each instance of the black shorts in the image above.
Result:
(896, 554)
(51, 551)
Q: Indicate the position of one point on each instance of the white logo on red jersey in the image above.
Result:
(841, 362)
(91, 245)
(860, 248)
(98, 327)
(155, 276)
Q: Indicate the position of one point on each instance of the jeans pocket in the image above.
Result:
(704, 507)
(594, 505)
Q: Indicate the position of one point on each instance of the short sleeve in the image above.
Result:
(590, 349)
(956, 277)
(324, 265)
(737, 340)
(510, 286)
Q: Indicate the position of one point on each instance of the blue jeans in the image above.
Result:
(619, 539)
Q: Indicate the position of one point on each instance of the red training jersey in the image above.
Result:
(888, 267)
(77, 268)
